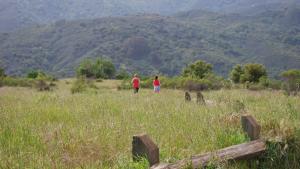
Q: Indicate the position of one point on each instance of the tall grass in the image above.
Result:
(94, 129)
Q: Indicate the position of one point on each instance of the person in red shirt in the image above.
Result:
(135, 83)
(156, 85)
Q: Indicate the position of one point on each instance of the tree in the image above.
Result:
(2, 73)
(197, 70)
(253, 72)
(237, 73)
(292, 79)
(122, 74)
(99, 69)
(33, 74)
(85, 68)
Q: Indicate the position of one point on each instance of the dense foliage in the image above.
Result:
(122, 74)
(33, 74)
(37, 11)
(199, 69)
(152, 44)
(2, 73)
(292, 80)
(236, 73)
(250, 72)
(96, 69)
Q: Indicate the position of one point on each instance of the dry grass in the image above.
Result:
(94, 129)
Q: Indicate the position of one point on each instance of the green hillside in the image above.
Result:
(153, 43)
(16, 14)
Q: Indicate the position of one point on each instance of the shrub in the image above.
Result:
(291, 80)
(2, 73)
(251, 72)
(122, 74)
(17, 82)
(196, 85)
(281, 154)
(42, 85)
(236, 73)
(199, 69)
(96, 69)
(33, 74)
(265, 82)
(82, 84)
(125, 85)
(211, 81)
(79, 86)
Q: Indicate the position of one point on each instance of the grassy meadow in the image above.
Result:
(94, 129)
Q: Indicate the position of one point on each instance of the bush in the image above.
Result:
(82, 84)
(251, 72)
(122, 74)
(209, 82)
(125, 85)
(199, 69)
(42, 85)
(2, 73)
(79, 86)
(196, 85)
(291, 80)
(236, 73)
(17, 82)
(265, 82)
(32, 74)
(96, 69)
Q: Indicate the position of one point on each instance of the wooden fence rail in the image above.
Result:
(143, 146)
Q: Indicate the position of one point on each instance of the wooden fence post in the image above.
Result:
(251, 127)
(188, 97)
(200, 98)
(143, 146)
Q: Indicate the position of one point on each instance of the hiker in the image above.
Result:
(156, 85)
(135, 83)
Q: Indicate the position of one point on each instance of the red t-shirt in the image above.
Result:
(156, 83)
(136, 82)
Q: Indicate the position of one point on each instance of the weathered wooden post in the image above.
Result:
(188, 96)
(144, 147)
(200, 98)
(251, 127)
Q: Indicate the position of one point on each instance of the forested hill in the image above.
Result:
(16, 14)
(154, 43)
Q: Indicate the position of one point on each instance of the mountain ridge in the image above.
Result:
(157, 44)
(16, 14)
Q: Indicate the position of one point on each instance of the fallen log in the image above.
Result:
(237, 152)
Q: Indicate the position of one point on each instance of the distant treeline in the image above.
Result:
(194, 77)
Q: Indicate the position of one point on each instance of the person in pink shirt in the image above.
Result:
(156, 85)
(135, 83)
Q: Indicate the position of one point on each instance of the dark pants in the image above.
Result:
(136, 90)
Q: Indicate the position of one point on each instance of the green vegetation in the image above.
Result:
(94, 129)
(122, 74)
(99, 69)
(82, 84)
(38, 12)
(35, 79)
(292, 80)
(2, 73)
(237, 73)
(195, 77)
(153, 44)
(33, 74)
(198, 70)
(248, 73)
